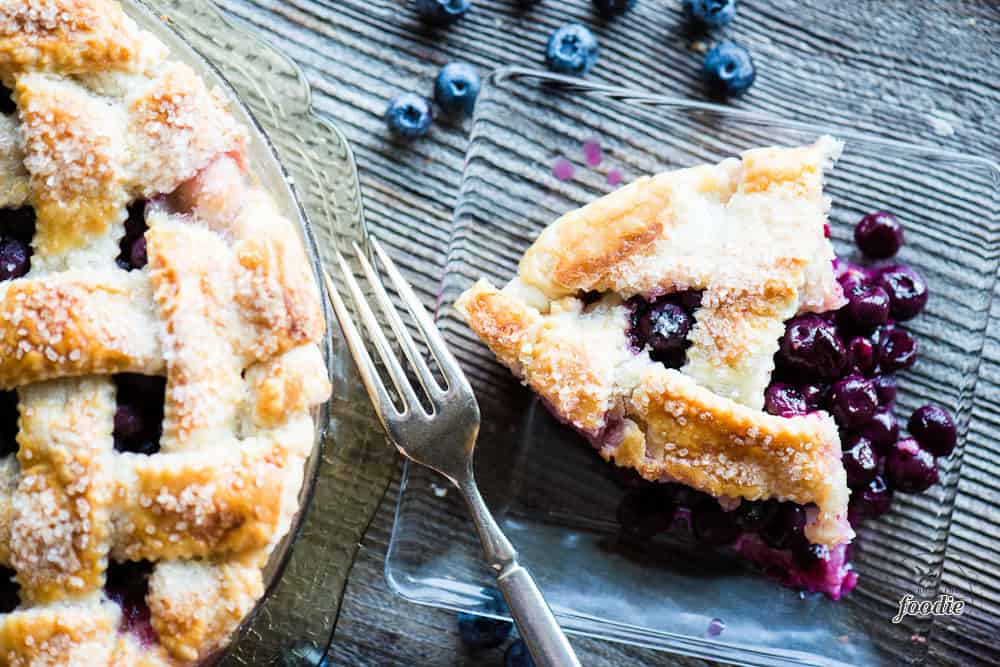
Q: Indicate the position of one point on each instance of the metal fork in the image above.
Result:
(443, 439)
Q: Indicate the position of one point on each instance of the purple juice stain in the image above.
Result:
(715, 627)
(614, 177)
(563, 169)
(592, 152)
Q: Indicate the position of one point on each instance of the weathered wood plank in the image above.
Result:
(905, 70)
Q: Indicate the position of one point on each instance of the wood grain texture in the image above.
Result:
(904, 70)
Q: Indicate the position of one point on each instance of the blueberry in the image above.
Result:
(442, 12)
(784, 400)
(517, 655)
(728, 70)
(409, 115)
(613, 7)
(867, 307)
(885, 387)
(664, 327)
(301, 653)
(712, 526)
(456, 88)
(882, 430)
(784, 529)
(851, 276)
(129, 423)
(135, 223)
(897, 348)
(861, 355)
(8, 422)
(15, 259)
(709, 13)
(645, 512)
(853, 401)
(137, 253)
(871, 501)
(860, 463)
(907, 291)
(910, 468)
(127, 584)
(815, 394)
(18, 223)
(934, 429)
(879, 235)
(752, 515)
(690, 300)
(9, 598)
(572, 49)
(812, 346)
(808, 556)
(481, 632)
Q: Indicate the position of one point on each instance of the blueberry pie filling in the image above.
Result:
(696, 327)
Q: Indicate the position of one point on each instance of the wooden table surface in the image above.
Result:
(903, 69)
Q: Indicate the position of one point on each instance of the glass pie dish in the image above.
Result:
(307, 166)
(557, 500)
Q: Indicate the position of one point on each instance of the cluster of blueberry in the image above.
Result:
(482, 632)
(572, 49)
(842, 362)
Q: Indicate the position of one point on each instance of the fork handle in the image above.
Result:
(538, 626)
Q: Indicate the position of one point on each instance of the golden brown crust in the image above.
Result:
(74, 636)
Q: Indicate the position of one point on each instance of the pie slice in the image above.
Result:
(649, 321)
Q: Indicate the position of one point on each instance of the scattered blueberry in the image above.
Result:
(879, 235)
(934, 429)
(409, 115)
(456, 88)
(885, 387)
(712, 526)
(853, 401)
(906, 288)
(867, 307)
(710, 13)
(752, 515)
(8, 422)
(784, 529)
(442, 12)
(728, 70)
(647, 511)
(812, 346)
(481, 632)
(15, 258)
(9, 598)
(870, 502)
(784, 400)
(517, 655)
(572, 49)
(897, 348)
(861, 355)
(910, 468)
(613, 7)
(809, 556)
(860, 462)
(664, 326)
(301, 653)
(882, 430)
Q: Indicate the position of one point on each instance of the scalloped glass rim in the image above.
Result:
(267, 167)
(444, 573)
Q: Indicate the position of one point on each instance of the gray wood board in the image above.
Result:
(923, 71)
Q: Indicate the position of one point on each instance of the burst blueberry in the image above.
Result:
(572, 49)
(409, 115)
(784, 400)
(910, 468)
(442, 12)
(613, 7)
(728, 70)
(812, 346)
(481, 632)
(712, 526)
(879, 235)
(907, 291)
(853, 401)
(517, 655)
(709, 13)
(860, 462)
(933, 427)
(456, 88)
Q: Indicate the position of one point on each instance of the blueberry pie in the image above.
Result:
(159, 358)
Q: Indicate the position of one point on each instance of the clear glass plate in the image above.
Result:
(554, 496)
(307, 165)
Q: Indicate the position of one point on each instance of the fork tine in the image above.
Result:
(355, 343)
(410, 349)
(396, 374)
(449, 365)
